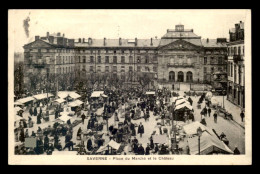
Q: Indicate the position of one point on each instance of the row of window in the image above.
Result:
(123, 59)
(212, 69)
(235, 70)
(63, 70)
(114, 68)
(64, 59)
(236, 50)
(220, 60)
(114, 51)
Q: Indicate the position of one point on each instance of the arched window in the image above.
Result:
(189, 76)
(180, 76)
(171, 76)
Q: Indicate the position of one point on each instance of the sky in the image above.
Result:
(112, 24)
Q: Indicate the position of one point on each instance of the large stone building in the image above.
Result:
(236, 66)
(179, 56)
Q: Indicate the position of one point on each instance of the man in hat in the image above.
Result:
(83, 118)
(140, 150)
(140, 129)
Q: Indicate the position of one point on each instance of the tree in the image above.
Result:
(18, 79)
(145, 79)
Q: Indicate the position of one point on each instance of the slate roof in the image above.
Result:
(196, 42)
(115, 43)
(179, 34)
(212, 43)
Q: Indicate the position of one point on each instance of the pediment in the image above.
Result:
(180, 45)
(38, 44)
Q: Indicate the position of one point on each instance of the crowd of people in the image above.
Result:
(124, 106)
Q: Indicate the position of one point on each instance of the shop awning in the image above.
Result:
(208, 144)
(97, 93)
(25, 100)
(42, 96)
(150, 93)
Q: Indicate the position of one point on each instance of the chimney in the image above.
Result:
(71, 42)
(207, 40)
(58, 34)
(104, 41)
(83, 40)
(89, 41)
(48, 34)
(79, 40)
(63, 35)
(51, 39)
(37, 37)
(120, 41)
(135, 41)
(151, 41)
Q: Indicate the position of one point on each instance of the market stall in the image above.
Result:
(209, 144)
(25, 101)
(97, 99)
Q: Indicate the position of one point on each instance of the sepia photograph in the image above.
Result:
(129, 87)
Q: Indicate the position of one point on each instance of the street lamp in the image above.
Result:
(199, 132)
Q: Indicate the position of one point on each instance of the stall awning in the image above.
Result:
(64, 118)
(97, 93)
(42, 96)
(191, 129)
(114, 144)
(208, 144)
(60, 100)
(161, 139)
(65, 94)
(75, 103)
(183, 106)
(16, 109)
(181, 101)
(150, 93)
(18, 103)
(25, 100)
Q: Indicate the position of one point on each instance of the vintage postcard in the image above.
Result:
(129, 87)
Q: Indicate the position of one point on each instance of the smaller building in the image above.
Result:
(236, 66)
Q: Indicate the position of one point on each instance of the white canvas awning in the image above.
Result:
(42, 96)
(75, 103)
(16, 109)
(183, 106)
(181, 101)
(97, 93)
(208, 144)
(150, 93)
(161, 139)
(114, 144)
(64, 117)
(18, 103)
(25, 100)
(65, 94)
(191, 129)
(60, 100)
